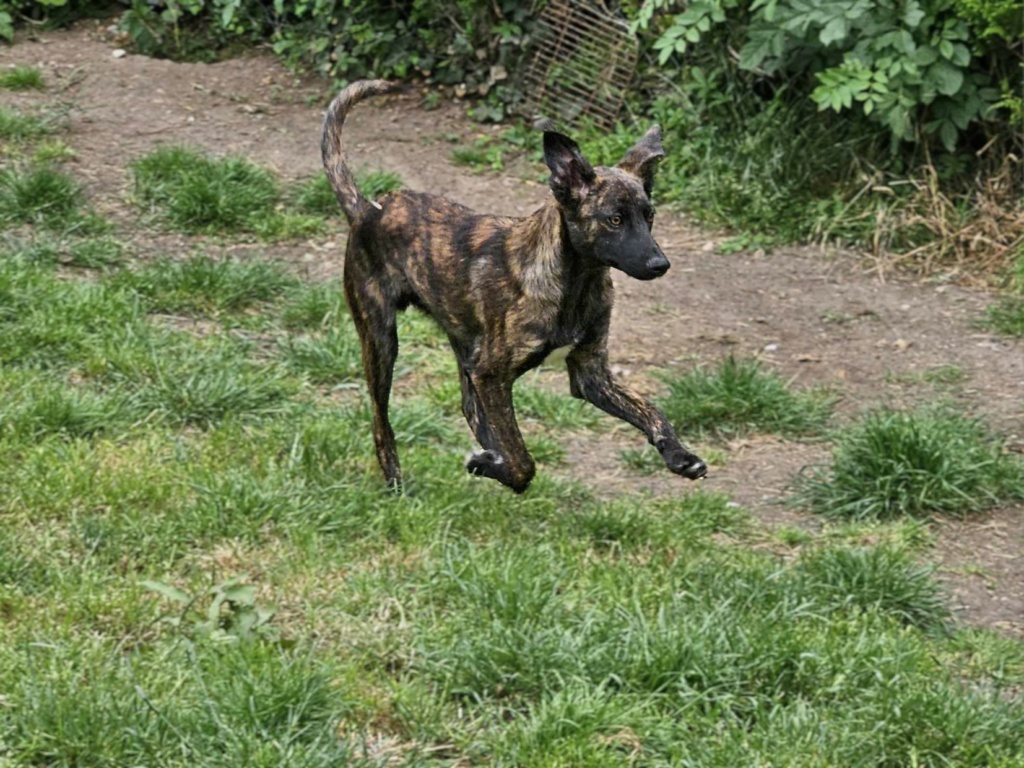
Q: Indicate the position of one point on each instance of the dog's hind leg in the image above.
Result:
(487, 404)
(375, 320)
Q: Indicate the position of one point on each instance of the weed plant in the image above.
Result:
(740, 397)
(914, 463)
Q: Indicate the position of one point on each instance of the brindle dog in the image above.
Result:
(506, 291)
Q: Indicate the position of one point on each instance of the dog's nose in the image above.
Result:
(658, 265)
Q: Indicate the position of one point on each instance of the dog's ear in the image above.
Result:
(642, 158)
(572, 177)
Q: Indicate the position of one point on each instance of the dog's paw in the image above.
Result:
(484, 463)
(682, 462)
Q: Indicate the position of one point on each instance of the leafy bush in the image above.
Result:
(447, 41)
(914, 67)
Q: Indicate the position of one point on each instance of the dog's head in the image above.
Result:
(608, 211)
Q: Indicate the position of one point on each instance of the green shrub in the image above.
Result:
(909, 67)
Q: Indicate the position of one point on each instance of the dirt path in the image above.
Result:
(818, 318)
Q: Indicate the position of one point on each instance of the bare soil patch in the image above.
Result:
(819, 318)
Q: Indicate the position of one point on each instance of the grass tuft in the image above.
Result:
(316, 197)
(739, 397)
(184, 384)
(202, 285)
(1007, 317)
(22, 78)
(197, 193)
(14, 126)
(919, 463)
(333, 357)
(313, 307)
(883, 578)
(39, 195)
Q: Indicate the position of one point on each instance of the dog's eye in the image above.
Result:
(615, 220)
(650, 217)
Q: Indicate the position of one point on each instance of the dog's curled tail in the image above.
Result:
(338, 173)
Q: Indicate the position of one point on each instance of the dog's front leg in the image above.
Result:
(590, 380)
(487, 403)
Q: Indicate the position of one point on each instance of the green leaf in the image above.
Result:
(948, 133)
(946, 78)
(240, 594)
(926, 55)
(755, 52)
(834, 31)
(168, 591)
(961, 55)
(912, 14)
(6, 26)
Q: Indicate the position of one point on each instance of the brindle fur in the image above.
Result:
(506, 291)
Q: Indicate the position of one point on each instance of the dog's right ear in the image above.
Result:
(572, 177)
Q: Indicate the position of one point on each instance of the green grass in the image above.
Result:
(316, 197)
(51, 151)
(313, 307)
(740, 397)
(911, 463)
(201, 285)
(197, 193)
(1007, 317)
(200, 565)
(15, 126)
(39, 195)
(22, 78)
(87, 252)
(333, 357)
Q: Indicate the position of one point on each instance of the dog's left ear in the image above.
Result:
(572, 177)
(642, 158)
